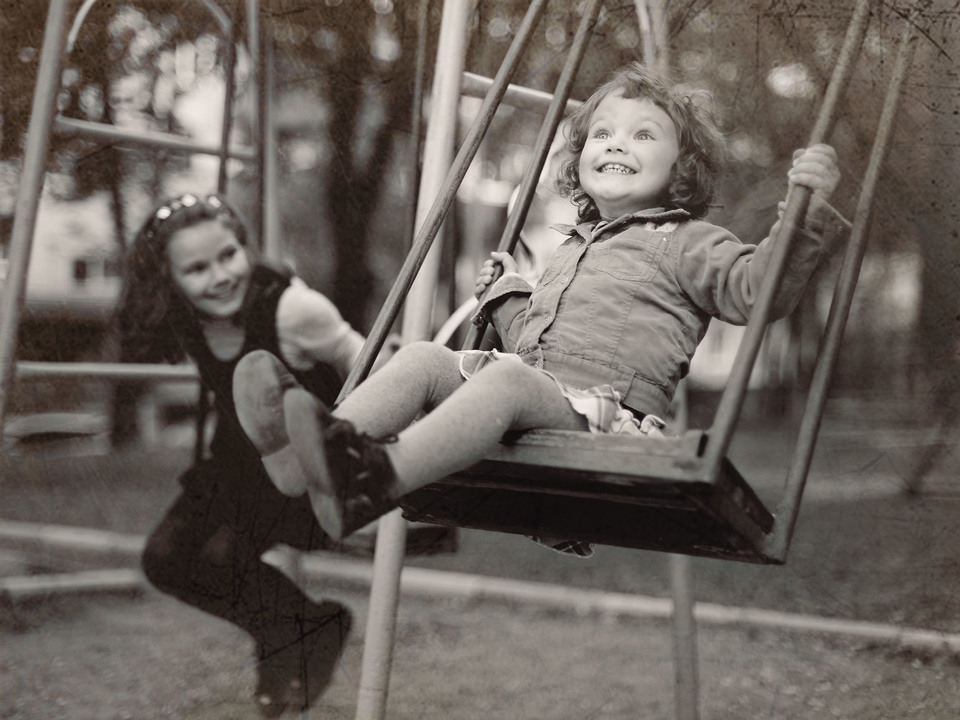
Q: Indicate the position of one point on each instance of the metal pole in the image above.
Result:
(392, 528)
(107, 371)
(269, 170)
(28, 196)
(786, 516)
(416, 112)
(126, 136)
(686, 691)
(434, 218)
(548, 130)
(437, 158)
(228, 97)
(517, 96)
(255, 214)
(203, 396)
(798, 198)
(381, 631)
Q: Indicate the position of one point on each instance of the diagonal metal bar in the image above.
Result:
(126, 136)
(798, 199)
(523, 98)
(434, 218)
(548, 129)
(786, 517)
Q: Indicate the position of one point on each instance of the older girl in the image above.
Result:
(193, 289)
(602, 340)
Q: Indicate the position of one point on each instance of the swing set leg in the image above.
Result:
(686, 687)
(382, 618)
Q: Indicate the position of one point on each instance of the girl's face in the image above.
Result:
(210, 268)
(628, 157)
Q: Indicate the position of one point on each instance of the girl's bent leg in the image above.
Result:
(419, 377)
(504, 396)
(206, 552)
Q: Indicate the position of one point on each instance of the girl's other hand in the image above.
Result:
(489, 271)
(815, 167)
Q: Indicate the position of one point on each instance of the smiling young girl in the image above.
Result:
(193, 289)
(603, 339)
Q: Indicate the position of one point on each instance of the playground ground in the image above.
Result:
(863, 552)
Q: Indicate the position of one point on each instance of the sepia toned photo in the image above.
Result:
(479, 359)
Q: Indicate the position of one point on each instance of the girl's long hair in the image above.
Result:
(702, 146)
(153, 319)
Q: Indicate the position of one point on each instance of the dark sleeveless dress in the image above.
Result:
(260, 325)
(206, 550)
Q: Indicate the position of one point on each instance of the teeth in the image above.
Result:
(615, 168)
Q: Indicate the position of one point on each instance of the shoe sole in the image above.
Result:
(259, 383)
(306, 437)
(285, 472)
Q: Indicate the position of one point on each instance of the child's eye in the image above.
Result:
(228, 254)
(601, 134)
(644, 135)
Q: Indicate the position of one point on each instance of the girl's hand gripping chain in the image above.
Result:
(489, 271)
(815, 167)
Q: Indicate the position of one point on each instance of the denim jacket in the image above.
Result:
(625, 303)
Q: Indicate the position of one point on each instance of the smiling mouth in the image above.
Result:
(616, 169)
(223, 295)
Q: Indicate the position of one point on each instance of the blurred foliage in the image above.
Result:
(344, 101)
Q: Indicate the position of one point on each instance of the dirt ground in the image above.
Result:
(863, 551)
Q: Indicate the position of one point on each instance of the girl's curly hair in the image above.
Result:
(153, 318)
(702, 155)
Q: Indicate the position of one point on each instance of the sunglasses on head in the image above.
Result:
(213, 203)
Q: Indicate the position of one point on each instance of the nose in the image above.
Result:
(219, 274)
(614, 143)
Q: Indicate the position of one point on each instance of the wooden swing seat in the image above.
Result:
(652, 494)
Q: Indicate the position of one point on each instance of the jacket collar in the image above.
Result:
(590, 229)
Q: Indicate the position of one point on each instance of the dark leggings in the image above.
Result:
(206, 550)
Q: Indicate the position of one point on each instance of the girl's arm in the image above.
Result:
(723, 276)
(310, 329)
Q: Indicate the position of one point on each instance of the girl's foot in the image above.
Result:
(292, 677)
(350, 480)
(259, 383)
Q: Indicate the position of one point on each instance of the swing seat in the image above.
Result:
(649, 494)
